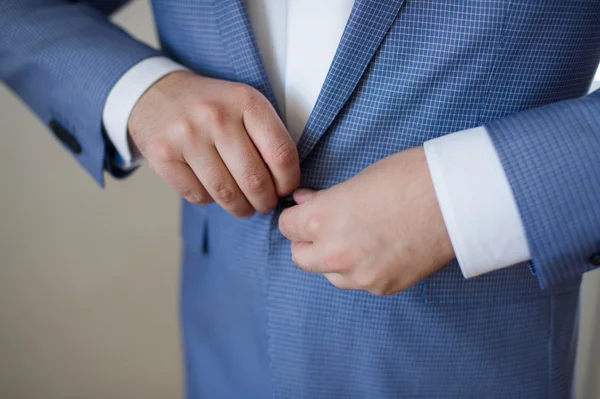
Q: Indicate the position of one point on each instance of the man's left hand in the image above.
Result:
(381, 231)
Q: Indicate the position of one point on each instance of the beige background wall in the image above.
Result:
(89, 277)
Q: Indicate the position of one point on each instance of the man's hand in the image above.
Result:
(213, 139)
(381, 231)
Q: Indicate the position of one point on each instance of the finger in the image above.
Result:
(248, 169)
(212, 172)
(274, 144)
(339, 281)
(297, 224)
(183, 180)
(305, 257)
(303, 195)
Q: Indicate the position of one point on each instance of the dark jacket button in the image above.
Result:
(595, 259)
(65, 136)
(287, 202)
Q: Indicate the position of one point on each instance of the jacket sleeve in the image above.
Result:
(62, 58)
(551, 156)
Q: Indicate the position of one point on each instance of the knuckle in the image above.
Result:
(313, 225)
(183, 129)
(246, 94)
(285, 154)
(160, 150)
(211, 113)
(256, 182)
(255, 104)
(224, 192)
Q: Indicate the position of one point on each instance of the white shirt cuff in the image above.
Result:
(476, 201)
(123, 97)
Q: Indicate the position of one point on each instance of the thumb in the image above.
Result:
(303, 195)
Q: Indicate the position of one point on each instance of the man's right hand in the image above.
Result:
(215, 140)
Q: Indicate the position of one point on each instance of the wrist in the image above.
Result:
(123, 97)
(152, 98)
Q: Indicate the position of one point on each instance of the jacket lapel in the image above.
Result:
(367, 26)
(240, 43)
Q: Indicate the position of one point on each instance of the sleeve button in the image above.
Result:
(65, 136)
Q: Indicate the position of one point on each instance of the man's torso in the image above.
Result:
(405, 72)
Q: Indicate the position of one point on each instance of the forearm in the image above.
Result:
(551, 158)
(524, 187)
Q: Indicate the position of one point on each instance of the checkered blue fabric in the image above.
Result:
(254, 325)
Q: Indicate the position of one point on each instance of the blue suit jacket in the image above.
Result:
(256, 326)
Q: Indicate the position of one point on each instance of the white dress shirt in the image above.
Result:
(472, 189)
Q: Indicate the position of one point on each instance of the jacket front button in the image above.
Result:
(287, 202)
(595, 259)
